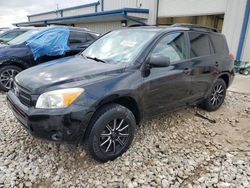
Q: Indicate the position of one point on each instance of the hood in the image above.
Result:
(66, 72)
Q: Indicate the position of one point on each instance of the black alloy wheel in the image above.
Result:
(111, 132)
(114, 136)
(216, 96)
(7, 76)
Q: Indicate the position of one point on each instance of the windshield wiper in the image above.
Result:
(96, 59)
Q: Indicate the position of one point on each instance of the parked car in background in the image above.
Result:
(98, 97)
(39, 45)
(3, 29)
(11, 34)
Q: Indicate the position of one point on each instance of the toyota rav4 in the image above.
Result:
(98, 98)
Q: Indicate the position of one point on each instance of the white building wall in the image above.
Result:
(101, 27)
(175, 8)
(79, 11)
(145, 4)
(45, 16)
(152, 6)
(139, 15)
(117, 4)
(233, 20)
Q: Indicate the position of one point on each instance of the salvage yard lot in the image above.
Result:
(174, 150)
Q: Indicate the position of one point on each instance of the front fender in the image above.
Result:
(14, 61)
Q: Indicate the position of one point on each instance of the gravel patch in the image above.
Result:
(178, 149)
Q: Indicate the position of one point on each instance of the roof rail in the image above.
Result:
(194, 26)
(136, 25)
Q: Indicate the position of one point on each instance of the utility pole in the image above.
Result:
(57, 10)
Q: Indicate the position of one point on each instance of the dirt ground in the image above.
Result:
(179, 149)
(241, 84)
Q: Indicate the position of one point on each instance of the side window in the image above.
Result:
(219, 43)
(77, 37)
(91, 37)
(199, 44)
(173, 46)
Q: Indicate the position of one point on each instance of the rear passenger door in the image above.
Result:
(202, 58)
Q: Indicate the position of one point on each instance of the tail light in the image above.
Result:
(231, 56)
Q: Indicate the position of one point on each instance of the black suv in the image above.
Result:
(97, 98)
(16, 55)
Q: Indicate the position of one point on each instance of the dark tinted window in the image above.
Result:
(77, 37)
(173, 46)
(199, 44)
(219, 44)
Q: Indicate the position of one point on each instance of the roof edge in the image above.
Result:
(69, 8)
(111, 12)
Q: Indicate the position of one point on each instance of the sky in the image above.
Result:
(14, 11)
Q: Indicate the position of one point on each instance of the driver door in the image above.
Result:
(168, 87)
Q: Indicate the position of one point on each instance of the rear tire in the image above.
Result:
(7, 75)
(112, 132)
(216, 96)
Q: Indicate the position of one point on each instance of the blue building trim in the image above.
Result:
(105, 13)
(118, 12)
(125, 15)
(65, 9)
(243, 31)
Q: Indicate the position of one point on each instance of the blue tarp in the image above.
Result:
(52, 41)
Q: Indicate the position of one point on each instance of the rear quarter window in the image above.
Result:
(77, 37)
(200, 44)
(219, 44)
(91, 37)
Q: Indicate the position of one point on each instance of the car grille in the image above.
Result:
(23, 95)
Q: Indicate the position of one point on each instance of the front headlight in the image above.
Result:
(59, 98)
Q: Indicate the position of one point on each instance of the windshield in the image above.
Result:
(22, 38)
(11, 35)
(121, 46)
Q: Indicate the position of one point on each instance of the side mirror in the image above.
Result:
(158, 60)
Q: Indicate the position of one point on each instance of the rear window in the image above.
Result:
(219, 44)
(77, 37)
(199, 44)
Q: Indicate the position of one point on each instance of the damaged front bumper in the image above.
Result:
(67, 125)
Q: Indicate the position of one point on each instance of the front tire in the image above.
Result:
(216, 96)
(112, 132)
(7, 75)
